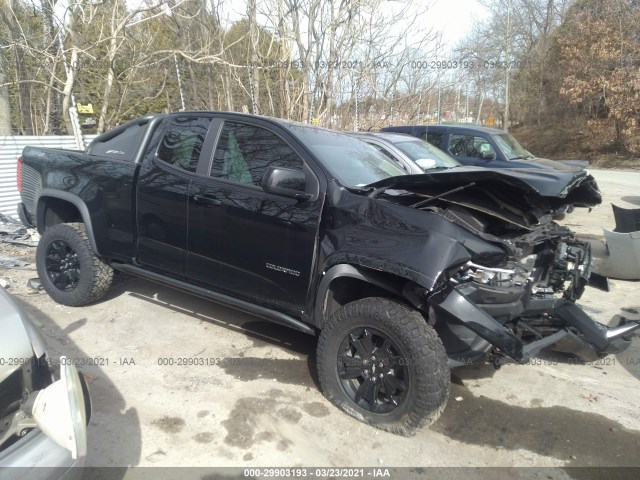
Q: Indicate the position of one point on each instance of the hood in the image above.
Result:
(549, 165)
(534, 188)
(546, 164)
(18, 337)
(581, 164)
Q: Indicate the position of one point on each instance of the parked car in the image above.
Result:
(483, 147)
(401, 276)
(410, 153)
(419, 156)
(43, 421)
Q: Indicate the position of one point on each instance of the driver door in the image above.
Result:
(242, 239)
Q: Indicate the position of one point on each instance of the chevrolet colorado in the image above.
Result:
(402, 277)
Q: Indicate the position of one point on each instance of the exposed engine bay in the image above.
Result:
(531, 294)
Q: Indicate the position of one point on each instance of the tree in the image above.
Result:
(600, 54)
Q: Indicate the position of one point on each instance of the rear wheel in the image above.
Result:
(380, 362)
(69, 270)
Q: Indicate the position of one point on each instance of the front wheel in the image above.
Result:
(379, 361)
(69, 270)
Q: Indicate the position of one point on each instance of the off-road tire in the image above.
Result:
(92, 276)
(428, 380)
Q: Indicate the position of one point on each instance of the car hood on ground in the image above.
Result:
(19, 340)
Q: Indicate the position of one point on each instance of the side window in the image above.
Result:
(244, 152)
(435, 139)
(182, 141)
(468, 145)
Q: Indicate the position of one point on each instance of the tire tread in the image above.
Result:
(101, 272)
(431, 397)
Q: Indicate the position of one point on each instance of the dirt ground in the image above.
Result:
(179, 381)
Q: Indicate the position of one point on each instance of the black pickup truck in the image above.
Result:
(402, 276)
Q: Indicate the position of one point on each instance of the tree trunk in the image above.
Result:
(72, 70)
(254, 77)
(5, 103)
(24, 93)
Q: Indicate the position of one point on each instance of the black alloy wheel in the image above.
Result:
(382, 363)
(62, 265)
(373, 370)
(70, 272)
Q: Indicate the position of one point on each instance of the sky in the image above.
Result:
(454, 18)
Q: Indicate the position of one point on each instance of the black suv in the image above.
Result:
(483, 147)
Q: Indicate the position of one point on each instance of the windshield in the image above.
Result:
(510, 146)
(353, 162)
(422, 150)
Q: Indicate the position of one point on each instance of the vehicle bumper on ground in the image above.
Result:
(477, 332)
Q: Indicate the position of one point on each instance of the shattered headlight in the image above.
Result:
(486, 275)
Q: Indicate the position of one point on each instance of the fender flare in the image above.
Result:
(379, 279)
(76, 202)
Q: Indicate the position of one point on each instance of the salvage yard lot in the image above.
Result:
(177, 381)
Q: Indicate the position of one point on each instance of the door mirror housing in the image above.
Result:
(286, 182)
(488, 155)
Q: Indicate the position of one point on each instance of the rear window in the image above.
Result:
(123, 146)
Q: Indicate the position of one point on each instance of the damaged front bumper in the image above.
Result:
(515, 312)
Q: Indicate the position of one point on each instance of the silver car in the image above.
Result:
(412, 154)
(43, 420)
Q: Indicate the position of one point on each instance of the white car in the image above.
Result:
(43, 420)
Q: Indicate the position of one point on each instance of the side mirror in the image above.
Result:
(426, 163)
(286, 182)
(488, 155)
(60, 412)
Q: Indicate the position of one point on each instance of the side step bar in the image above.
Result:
(257, 310)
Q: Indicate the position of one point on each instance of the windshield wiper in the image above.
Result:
(441, 167)
(377, 191)
(422, 203)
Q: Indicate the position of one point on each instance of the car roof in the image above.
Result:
(465, 126)
(392, 137)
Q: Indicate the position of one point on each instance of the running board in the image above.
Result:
(242, 305)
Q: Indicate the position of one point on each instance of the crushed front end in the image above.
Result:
(514, 292)
(525, 304)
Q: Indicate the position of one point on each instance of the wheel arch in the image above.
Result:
(344, 283)
(56, 207)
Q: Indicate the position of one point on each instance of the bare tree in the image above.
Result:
(5, 104)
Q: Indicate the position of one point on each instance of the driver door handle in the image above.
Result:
(206, 200)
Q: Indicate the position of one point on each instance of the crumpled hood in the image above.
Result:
(18, 338)
(536, 188)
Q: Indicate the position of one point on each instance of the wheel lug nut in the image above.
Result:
(381, 375)
(373, 359)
